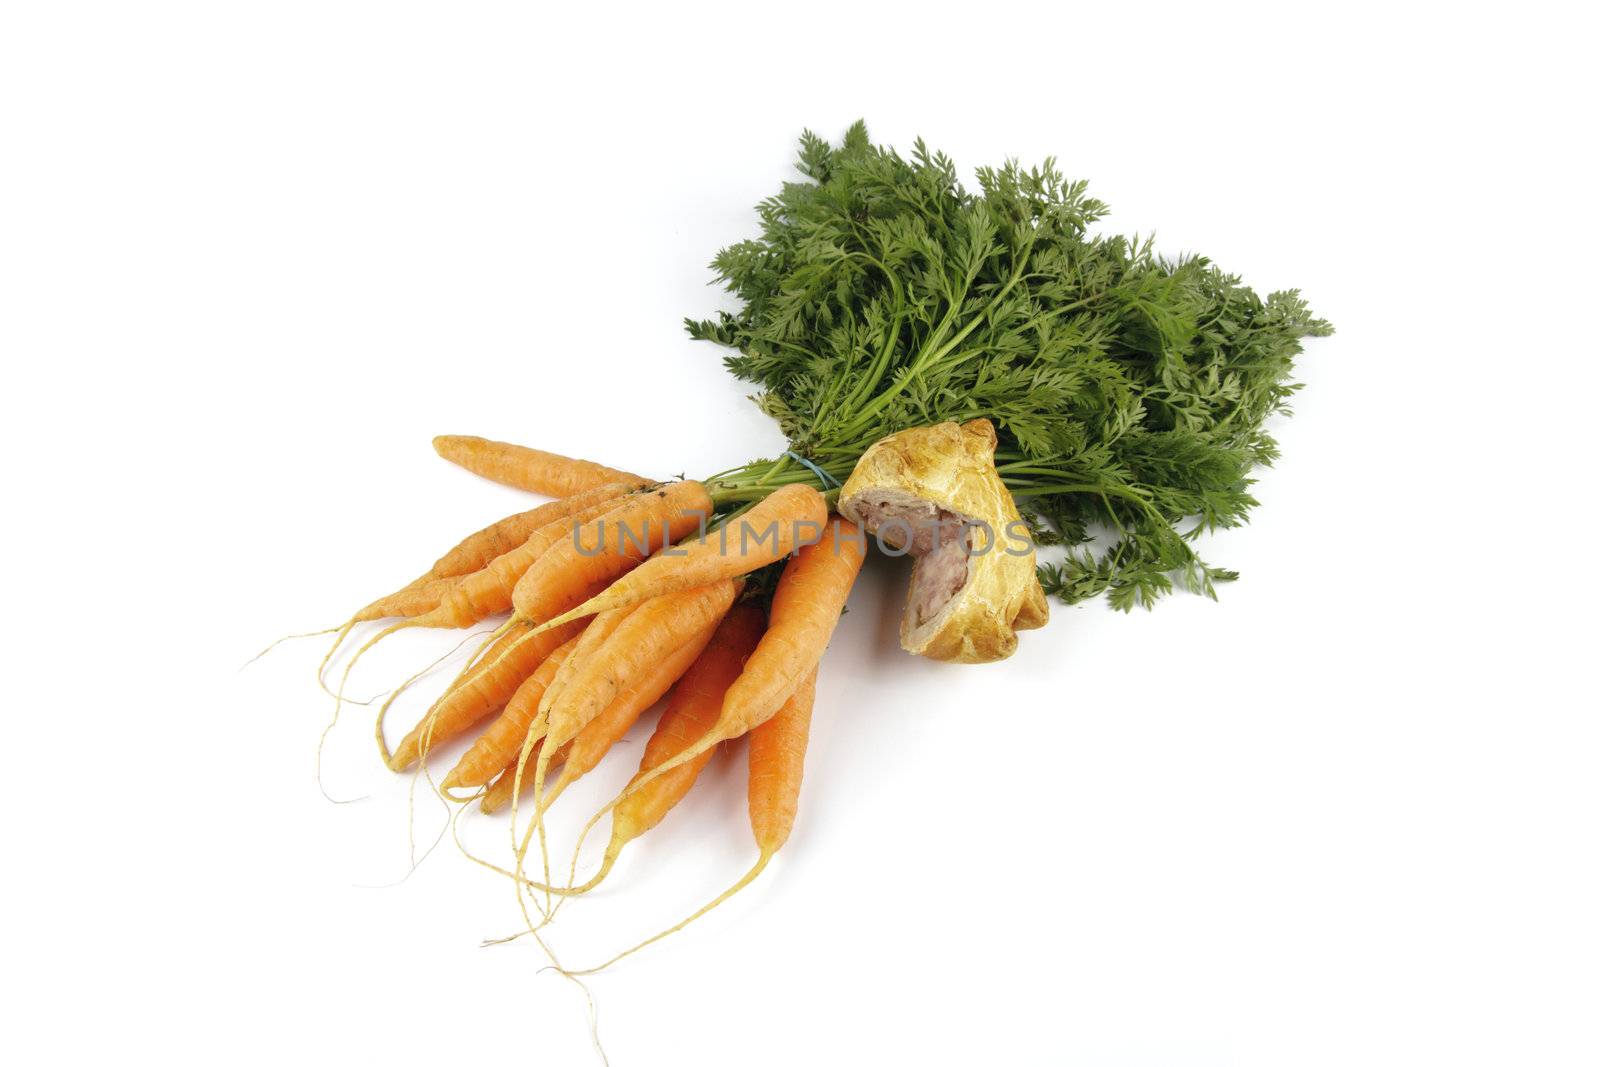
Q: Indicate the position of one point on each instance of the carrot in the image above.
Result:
(472, 553)
(805, 609)
(410, 602)
(692, 709)
(416, 599)
(610, 545)
(481, 693)
(585, 751)
(576, 567)
(600, 629)
(651, 631)
(477, 550)
(528, 468)
(498, 795)
(488, 591)
(483, 593)
(473, 597)
(806, 606)
(503, 739)
(467, 575)
(768, 532)
(777, 764)
(594, 636)
(520, 772)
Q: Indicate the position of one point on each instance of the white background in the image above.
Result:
(253, 256)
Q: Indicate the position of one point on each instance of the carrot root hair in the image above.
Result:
(383, 712)
(534, 739)
(533, 930)
(327, 657)
(613, 851)
(338, 695)
(322, 743)
(288, 637)
(751, 875)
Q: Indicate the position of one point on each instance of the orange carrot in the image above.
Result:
(422, 594)
(416, 599)
(578, 566)
(478, 550)
(609, 545)
(651, 631)
(777, 764)
(590, 745)
(481, 693)
(805, 609)
(594, 637)
(785, 520)
(655, 628)
(506, 737)
(599, 632)
(691, 711)
(419, 598)
(806, 606)
(503, 739)
(488, 591)
(528, 468)
(499, 794)
(463, 599)
(481, 594)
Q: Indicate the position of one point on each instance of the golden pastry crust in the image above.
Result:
(949, 468)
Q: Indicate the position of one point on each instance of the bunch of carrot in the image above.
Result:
(616, 594)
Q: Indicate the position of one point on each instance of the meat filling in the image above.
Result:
(939, 539)
(937, 578)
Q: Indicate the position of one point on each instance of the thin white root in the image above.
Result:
(749, 877)
(287, 637)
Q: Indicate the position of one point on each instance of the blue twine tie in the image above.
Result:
(826, 478)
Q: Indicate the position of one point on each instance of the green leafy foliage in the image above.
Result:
(1130, 391)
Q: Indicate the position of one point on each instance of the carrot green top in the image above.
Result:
(1130, 392)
